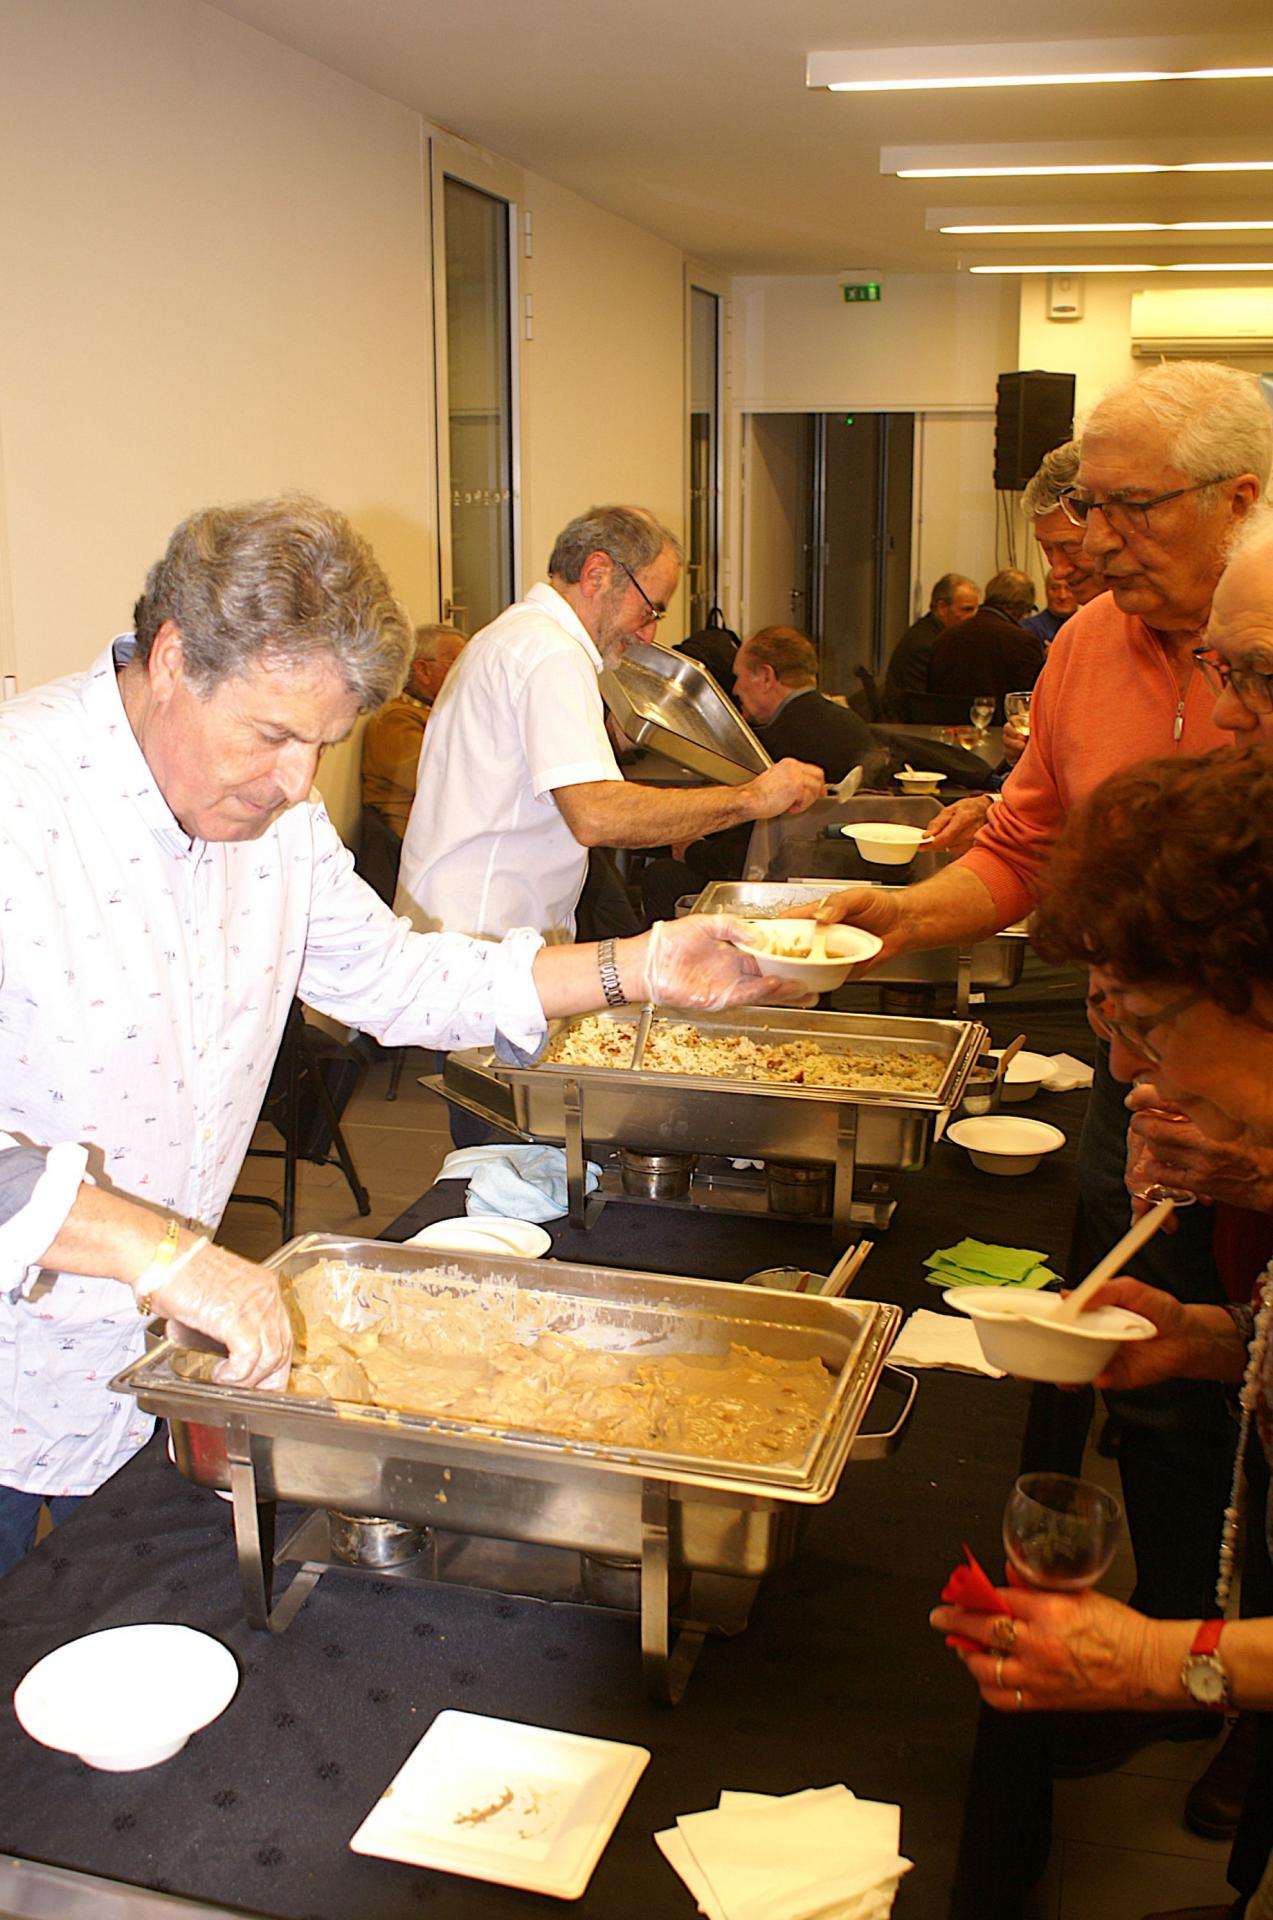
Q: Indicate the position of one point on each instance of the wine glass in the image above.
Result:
(1016, 707)
(982, 711)
(1139, 1153)
(1059, 1532)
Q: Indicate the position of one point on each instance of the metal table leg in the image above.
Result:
(254, 1540)
(667, 1665)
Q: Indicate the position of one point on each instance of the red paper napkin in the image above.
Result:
(969, 1587)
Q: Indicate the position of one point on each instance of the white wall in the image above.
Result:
(934, 346)
(604, 408)
(217, 285)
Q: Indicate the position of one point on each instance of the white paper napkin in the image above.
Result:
(941, 1340)
(1065, 1074)
(819, 1852)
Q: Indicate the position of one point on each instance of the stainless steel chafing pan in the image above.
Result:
(667, 702)
(651, 1112)
(668, 1514)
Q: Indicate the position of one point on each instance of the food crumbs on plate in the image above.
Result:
(477, 1816)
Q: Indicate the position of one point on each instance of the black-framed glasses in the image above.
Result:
(1133, 1028)
(1252, 687)
(656, 612)
(1121, 516)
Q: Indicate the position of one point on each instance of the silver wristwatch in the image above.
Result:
(610, 982)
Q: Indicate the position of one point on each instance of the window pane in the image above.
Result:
(479, 404)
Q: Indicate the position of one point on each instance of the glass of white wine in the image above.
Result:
(1059, 1532)
(1016, 707)
(982, 711)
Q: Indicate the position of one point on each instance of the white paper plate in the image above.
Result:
(127, 1697)
(467, 1234)
(497, 1800)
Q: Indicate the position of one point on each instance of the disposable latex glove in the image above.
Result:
(695, 964)
(237, 1303)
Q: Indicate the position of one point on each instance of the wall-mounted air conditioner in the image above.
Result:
(1198, 323)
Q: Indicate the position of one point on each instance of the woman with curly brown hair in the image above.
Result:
(1163, 886)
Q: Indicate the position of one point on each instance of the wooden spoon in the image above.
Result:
(818, 945)
(1132, 1241)
(845, 1271)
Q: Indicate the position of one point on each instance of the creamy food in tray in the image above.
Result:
(672, 1047)
(497, 1355)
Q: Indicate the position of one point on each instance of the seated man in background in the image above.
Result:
(991, 653)
(776, 685)
(953, 600)
(1060, 604)
(393, 737)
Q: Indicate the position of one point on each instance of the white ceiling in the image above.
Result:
(691, 117)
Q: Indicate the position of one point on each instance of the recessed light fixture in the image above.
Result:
(1117, 226)
(1135, 266)
(1062, 63)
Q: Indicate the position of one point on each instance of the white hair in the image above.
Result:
(1217, 420)
(1057, 472)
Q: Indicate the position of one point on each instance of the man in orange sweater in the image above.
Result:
(1171, 464)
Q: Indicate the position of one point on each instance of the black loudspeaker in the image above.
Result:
(1034, 412)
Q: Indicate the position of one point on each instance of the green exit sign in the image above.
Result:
(863, 290)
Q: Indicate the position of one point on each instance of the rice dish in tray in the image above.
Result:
(673, 1047)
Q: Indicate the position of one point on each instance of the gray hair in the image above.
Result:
(1057, 472)
(1216, 418)
(1253, 535)
(281, 582)
(947, 587)
(427, 639)
(630, 535)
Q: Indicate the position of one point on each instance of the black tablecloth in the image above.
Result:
(838, 1676)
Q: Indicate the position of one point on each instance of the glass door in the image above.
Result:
(702, 566)
(477, 386)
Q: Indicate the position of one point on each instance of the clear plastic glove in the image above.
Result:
(789, 786)
(696, 965)
(955, 828)
(237, 1303)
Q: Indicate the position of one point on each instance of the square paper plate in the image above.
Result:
(497, 1800)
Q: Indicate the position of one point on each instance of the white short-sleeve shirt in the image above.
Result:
(520, 714)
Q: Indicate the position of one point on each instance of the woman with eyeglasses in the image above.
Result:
(1163, 885)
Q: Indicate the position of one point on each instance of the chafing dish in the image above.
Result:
(996, 962)
(594, 1108)
(667, 702)
(712, 1526)
(808, 843)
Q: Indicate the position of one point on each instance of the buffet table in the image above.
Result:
(837, 1677)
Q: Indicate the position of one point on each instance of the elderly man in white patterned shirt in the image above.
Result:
(165, 892)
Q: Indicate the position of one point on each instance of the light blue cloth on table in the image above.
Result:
(519, 1183)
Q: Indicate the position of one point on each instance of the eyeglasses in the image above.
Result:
(1132, 1028)
(655, 612)
(1121, 515)
(1253, 688)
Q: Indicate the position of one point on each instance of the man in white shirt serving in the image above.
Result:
(517, 777)
(168, 884)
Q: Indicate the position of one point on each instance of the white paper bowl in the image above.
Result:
(1016, 1331)
(484, 1233)
(919, 782)
(127, 1697)
(1005, 1142)
(1026, 1074)
(884, 842)
(847, 947)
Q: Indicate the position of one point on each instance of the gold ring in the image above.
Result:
(1020, 1701)
(1003, 1632)
(999, 1670)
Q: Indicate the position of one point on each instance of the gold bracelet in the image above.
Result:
(158, 1267)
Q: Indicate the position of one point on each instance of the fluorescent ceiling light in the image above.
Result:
(1137, 266)
(1098, 167)
(1062, 63)
(1117, 226)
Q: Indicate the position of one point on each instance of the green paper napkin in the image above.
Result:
(978, 1263)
